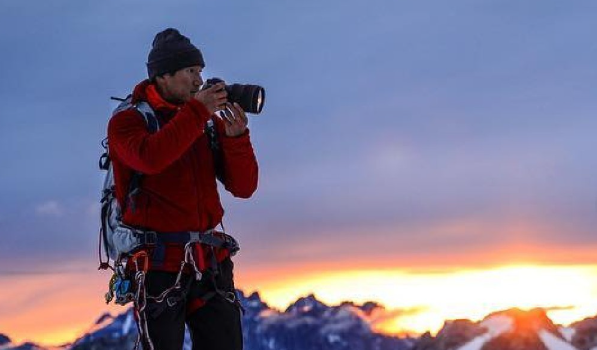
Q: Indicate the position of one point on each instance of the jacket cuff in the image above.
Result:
(236, 141)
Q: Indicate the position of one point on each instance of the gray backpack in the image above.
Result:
(117, 239)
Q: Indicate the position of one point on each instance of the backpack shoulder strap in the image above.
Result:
(153, 126)
(124, 104)
(216, 150)
(148, 114)
(108, 192)
(143, 108)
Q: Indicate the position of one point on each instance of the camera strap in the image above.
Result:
(214, 145)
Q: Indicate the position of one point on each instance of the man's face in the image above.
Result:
(182, 85)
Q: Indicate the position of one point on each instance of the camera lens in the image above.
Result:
(250, 97)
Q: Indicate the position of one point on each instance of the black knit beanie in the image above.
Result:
(170, 52)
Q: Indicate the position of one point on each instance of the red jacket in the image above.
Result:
(178, 190)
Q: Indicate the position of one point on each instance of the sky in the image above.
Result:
(424, 139)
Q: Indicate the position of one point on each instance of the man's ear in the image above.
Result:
(170, 74)
(160, 80)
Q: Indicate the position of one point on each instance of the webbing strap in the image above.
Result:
(191, 237)
(214, 144)
(153, 126)
(148, 114)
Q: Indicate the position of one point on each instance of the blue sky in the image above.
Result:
(424, 128)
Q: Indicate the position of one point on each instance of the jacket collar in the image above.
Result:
(147, 91)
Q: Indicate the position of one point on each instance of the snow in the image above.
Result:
(334, 338)
(554, 343)
(271, 343)
(567, 333)
(477, 343)
(268, 313)
(254, 303)
(126, 326)
(342, 319)
(301, 322)
(497, 325)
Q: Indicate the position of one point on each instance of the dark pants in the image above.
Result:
(214, 326)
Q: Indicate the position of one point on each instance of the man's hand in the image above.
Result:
(235, 120)
(213, 98)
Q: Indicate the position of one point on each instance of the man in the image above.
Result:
(177, 194)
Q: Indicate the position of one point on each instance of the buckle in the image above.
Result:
(151, 238)
(206, 237)
(147, 237)
(194, 237)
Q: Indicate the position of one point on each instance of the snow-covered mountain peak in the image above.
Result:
(309, 324)
(527, 320)
(512, 329)
(4, 339)
(516, 329)
(253, 304)
(497, 324)
(307, 305)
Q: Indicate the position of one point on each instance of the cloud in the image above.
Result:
(461, 119)
(50, 208)
(560, 308)
(380, 315)
(384, 320)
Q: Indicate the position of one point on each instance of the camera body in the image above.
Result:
(251, 98)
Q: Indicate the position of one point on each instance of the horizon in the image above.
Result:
(409, 316)
(412, 146)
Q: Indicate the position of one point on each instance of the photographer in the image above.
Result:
(200, 136)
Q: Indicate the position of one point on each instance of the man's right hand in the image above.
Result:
(213, 98)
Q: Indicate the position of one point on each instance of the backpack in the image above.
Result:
(117, 239)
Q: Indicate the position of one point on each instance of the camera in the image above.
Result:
(250, 97)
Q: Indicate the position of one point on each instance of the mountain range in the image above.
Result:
(309, 324)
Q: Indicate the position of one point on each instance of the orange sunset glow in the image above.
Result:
(414, 301)
(421, 302)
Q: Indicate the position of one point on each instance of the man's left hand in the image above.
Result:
(235, 120)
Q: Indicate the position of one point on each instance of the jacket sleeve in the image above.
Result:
(148, 153)
(240, 165)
